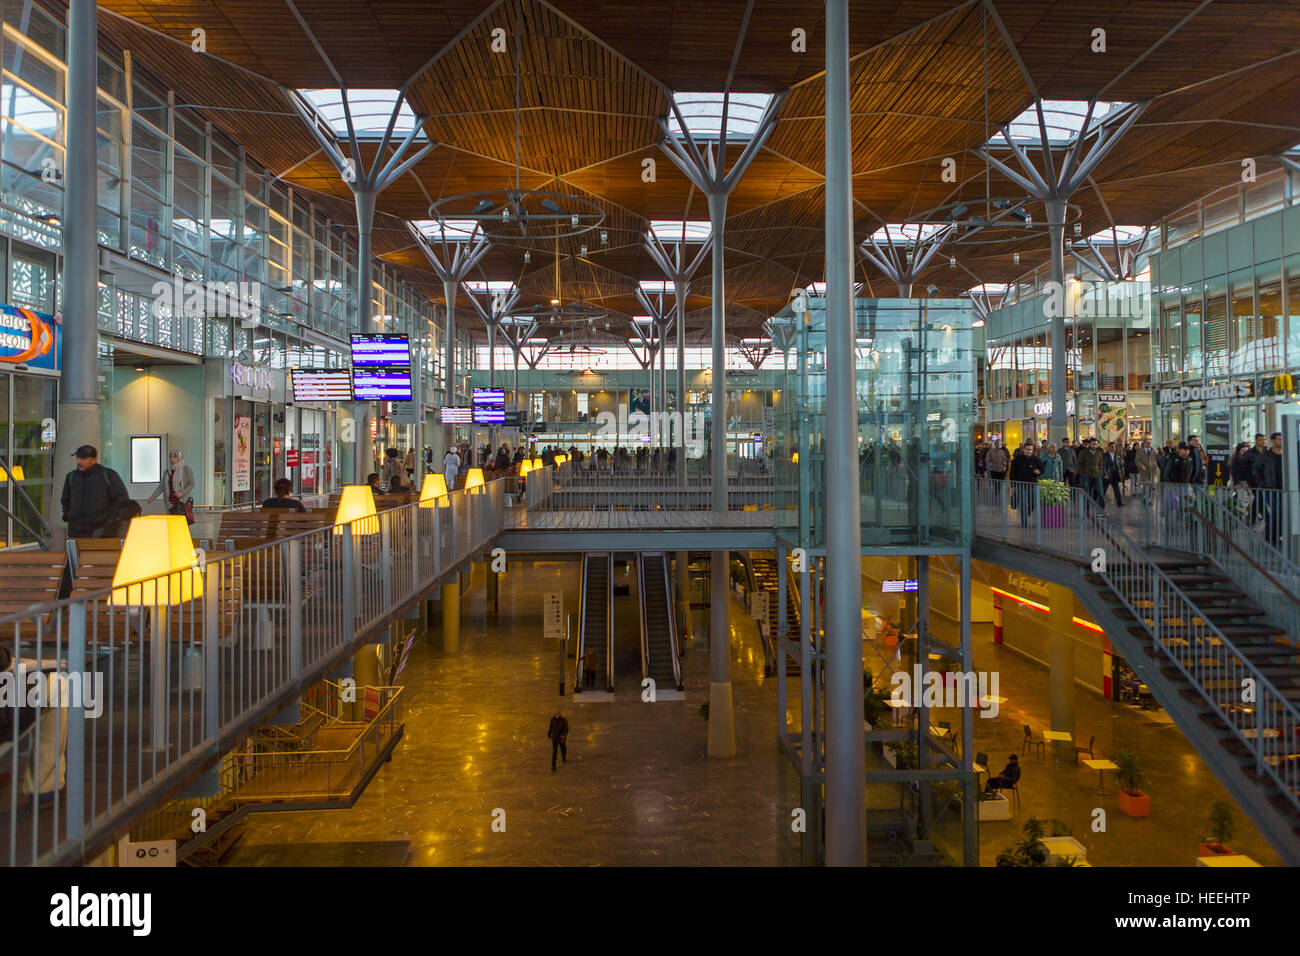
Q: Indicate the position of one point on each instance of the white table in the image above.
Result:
(1101, 766)
(990, 701)
(1057, 737)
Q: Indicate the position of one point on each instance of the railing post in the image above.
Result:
(350, 583)
(76, 742)
(212, 571)
(293, 573)
(385, 556)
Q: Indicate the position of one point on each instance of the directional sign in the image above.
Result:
(553, 615)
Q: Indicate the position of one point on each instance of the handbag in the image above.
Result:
(175, 505)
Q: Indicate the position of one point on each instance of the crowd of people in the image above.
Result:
(1118, 468)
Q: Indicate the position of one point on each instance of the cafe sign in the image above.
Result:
(1044, 409)
(1204, 393)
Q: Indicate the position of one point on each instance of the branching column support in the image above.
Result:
(707, 170)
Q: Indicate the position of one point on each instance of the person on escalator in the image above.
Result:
(558, 732)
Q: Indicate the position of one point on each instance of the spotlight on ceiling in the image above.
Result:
(574, 220)
(550, 205)
(1020, 214)
(584, 249)
(932, 289)
(977, 324)
(1015, 258)
(528, 257)
(1078, 229)
(958, 212)
(483, 206)
(604, 237)
(952, 262)
(556, 302)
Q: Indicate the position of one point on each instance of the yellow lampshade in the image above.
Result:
(525, 467)
(18, 474)
(538, 464)
(357, 503)
(560, 460)
(794, 459)
(157, 545)
(433, 489)
(474, 478)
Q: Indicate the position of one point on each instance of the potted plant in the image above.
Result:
(992, 805)
(1028, 850)
(1053, 496)
(901, 754)
(1062, 846)
(1131, 800)
(1219, 831)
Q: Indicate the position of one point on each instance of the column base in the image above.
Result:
(722, 721)
(451, 617)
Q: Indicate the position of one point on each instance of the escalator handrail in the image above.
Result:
(670, 619)
(645, 624)
(582, 626)
(609, 621)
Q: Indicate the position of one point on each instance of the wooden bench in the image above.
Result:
(29, 579)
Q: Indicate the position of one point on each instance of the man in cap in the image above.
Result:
(94, 497)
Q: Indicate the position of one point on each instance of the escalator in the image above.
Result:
(659, 658)
(596, 628)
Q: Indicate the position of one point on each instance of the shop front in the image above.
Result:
(29, 394)
(248, 411)
(1222, 414)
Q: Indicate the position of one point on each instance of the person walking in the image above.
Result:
(997, 461)
(1053, 464)
(558, 732)
(1026, 467)
(94, 498)
(1200, 461)
(1268, 481)
(1090, 472)
(1147, 463)
(1070, 464)
(451, 467)
(178, 485)
(1112, 474)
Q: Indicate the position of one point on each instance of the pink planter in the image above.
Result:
(1054, 516)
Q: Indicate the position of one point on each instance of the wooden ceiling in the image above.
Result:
(929, 80)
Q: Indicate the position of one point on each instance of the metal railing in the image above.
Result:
(573, 488)
(157, 678)
(1268, 727)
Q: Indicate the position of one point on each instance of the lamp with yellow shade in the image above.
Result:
(794, 459)
(525, 467)
(17, 471)
(357, 507)
(474, 478)
(157, 545)
(157, 570)
(433, 490)
(538, 464)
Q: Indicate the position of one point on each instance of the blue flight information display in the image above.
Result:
(381, 351)
(381, 385)
(489, 416)
(489, 396)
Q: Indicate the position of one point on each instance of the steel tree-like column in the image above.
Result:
(78, 422)
(1056, 236)
(846, 821)
(364, 460)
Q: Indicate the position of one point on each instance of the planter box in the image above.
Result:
(1135, 803)
(999, 808)
(1061, 846)
(1215, 849)
(1053, 516)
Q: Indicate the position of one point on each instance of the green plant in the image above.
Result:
(874, 706)
(1220, 822)
(1053, 493)
(1130, 770)
(1067, 861)
(1034, 829)
(704, 710)
(906, 753)
(1060, 829)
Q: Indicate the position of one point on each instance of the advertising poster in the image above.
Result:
(243, 458)
(639, 401)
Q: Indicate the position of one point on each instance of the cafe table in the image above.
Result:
(1057, 737)
(1101, 766)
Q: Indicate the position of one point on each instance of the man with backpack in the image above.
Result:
(95, 501)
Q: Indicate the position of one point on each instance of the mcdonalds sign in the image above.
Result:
(28, 338)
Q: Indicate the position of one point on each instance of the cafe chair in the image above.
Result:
(1029, 742)
(1084, 750)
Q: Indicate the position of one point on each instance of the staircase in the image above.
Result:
(766, 579)
(658, 638)
(595, 635)
(1228, 676)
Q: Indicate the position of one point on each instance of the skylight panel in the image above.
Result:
(371, 111)
(1126, 234)
(675, 230)
(988, 288)
(906, 233)
(1063, 118)
(491, 285)
(702, 113)
(655, 285)
(453, 230)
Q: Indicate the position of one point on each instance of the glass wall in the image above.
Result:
(916, 394)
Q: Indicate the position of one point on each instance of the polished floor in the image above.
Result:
(637, 789)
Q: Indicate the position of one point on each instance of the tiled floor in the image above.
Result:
(637, 789)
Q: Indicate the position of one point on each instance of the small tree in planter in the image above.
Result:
(1131, 800)
(1219, 831)
(1053, 496)
(874, 707)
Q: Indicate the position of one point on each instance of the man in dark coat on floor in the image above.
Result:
(558, 731)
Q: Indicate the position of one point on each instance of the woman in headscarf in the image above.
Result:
(178, 485)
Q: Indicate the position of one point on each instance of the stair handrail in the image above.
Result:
(1258, 543)
(609, 621)
(1262, 746)
(581, 651)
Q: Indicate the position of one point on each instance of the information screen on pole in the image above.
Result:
(454, 415)
(489, 396)
(381, 385)
(489, 416)
(322, 385)
(381, 351)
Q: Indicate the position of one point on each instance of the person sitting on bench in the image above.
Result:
(1007, 778)
(283, 488)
